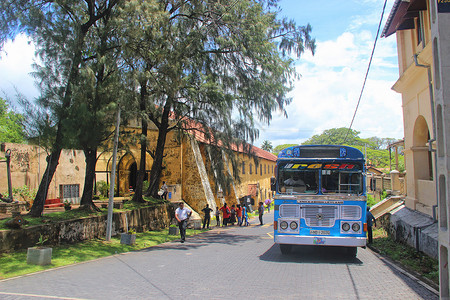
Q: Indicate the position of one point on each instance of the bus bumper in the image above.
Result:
(321, 240)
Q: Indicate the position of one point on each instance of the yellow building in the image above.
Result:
(423, 41)
(414, 52)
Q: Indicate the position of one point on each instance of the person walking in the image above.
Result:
(244, 215)
(261, 212)
(207, 211)
(233, 215)
(239, 214)
(165, 190)
(226, 214)
(369, 219)
(217, 216)
(182, 215)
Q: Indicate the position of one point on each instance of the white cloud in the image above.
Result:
(326, 95)
(16, 59)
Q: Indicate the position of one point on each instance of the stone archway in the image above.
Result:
(423, 166)
(127, 173)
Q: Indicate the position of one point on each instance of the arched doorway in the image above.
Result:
(132, 176)
(127, 173)
(423, 166)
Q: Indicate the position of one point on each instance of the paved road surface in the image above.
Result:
(239, 263)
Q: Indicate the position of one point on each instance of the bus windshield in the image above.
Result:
(314, 178)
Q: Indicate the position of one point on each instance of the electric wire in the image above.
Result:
(367, 72)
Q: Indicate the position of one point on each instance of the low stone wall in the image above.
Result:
(412, 228)
(72, 231)
(11, 207)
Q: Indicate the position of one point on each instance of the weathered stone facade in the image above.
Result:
(181, 171)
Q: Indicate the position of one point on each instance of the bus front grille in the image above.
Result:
(320, 216)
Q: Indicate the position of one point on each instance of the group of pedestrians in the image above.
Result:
(231, 215)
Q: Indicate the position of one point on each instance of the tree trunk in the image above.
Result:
(141, 173)
(91, 160)
(38, 204)
(155, 172)
(137, 197)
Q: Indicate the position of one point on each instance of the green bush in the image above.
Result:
(103, 188)
(371, 201)
(145, 185)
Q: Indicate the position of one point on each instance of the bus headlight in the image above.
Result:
(356, 227)
(293, 225)
(284, 225)
(346, 227)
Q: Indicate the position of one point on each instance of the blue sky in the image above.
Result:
(326, 94)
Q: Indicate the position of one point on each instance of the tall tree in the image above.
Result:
(140, 39)
(59, 29)
(11, 124)
(267, 146)
(95, 97)
(213, 67)
(336, 136)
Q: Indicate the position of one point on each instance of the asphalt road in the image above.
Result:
(234, 262)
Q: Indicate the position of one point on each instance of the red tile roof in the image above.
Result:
(197, 131)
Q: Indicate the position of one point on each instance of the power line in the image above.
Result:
(367, 72)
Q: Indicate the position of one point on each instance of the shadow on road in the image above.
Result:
(310, 254)
(205, 239)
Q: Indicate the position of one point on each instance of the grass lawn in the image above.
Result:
(406, 255)
(15, 264)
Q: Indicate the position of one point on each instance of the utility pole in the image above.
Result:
(113, 177)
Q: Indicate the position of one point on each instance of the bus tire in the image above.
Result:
(285, 248)
(352, 251)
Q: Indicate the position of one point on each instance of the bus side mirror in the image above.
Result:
(273, 184)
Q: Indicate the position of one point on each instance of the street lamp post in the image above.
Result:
(8, 173)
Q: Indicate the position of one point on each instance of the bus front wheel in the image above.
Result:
(285, 248)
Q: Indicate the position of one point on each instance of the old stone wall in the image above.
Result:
(72, 231)
(28, 164)
(193, 193)
(412, 228)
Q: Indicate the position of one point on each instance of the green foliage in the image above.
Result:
(278, 148)
(380, 158)
(11, 124)
(103, 188)
(267, 146)
(337, 136)
(132, 231)
(145, 185)
(41, 241)
(371, 201)
(24, 193)
(374, 147)
(406, 255)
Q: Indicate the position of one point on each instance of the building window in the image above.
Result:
(260, 170)
(250, 167)
(272, 169)
(265, 169)
(69, 191)
(243, 167)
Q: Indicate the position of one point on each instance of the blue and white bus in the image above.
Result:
(320, 197)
